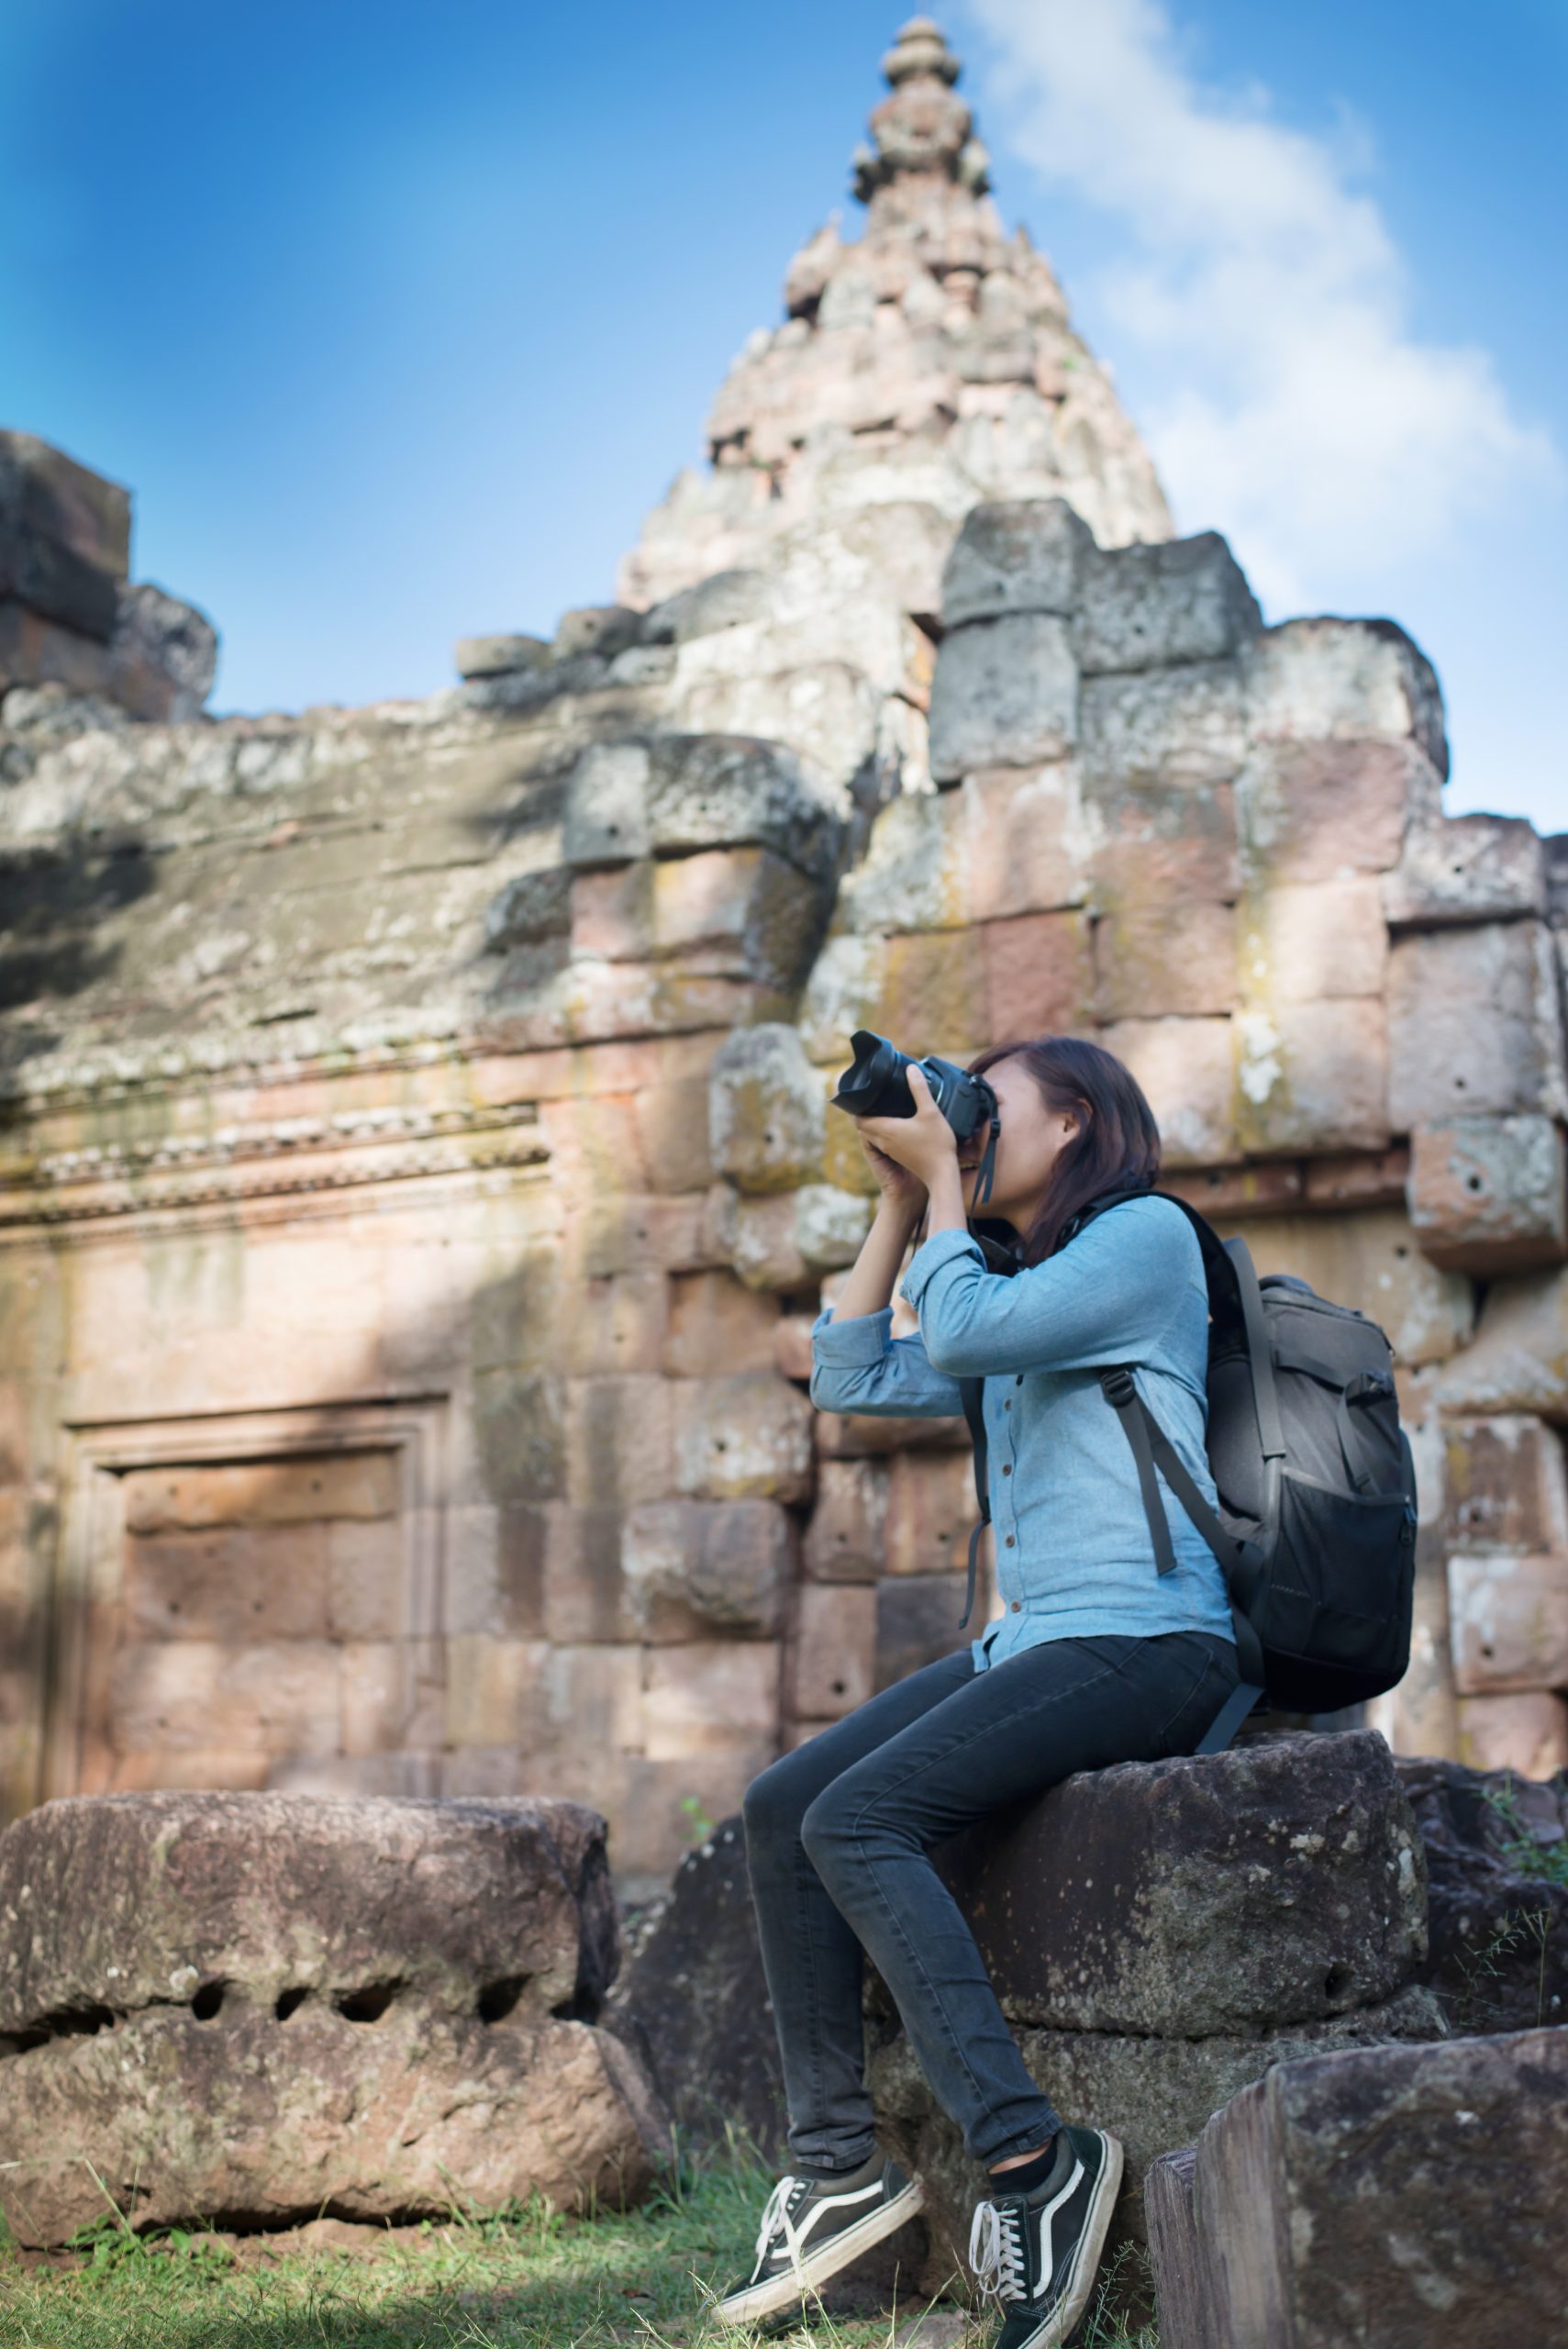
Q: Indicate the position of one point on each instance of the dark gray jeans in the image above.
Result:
(837, 1838)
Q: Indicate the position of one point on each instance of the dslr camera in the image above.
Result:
(876, 1084)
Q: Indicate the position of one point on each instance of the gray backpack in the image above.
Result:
(1316, 1530)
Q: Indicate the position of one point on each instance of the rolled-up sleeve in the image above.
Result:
(856, 1366)
(1116, 1288)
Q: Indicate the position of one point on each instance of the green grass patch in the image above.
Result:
(530, 2278)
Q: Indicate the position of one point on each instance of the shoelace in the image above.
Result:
(777, 2218)
(996, 2250)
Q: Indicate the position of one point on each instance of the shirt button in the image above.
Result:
(1009, 1404)
(1019, 1380)
(1009, 1542)
(1017, 1606)
(1006, 1469)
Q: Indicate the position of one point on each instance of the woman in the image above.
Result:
(1092, 1658)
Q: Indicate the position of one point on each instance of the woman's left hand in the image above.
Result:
(925, 1144)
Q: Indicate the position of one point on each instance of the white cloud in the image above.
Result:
(1301, 415)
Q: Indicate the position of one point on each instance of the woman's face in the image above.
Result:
(1027, 1147)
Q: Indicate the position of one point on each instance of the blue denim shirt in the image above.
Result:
(1073, 1547)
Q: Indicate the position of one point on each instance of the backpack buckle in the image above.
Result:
(1117, 1387)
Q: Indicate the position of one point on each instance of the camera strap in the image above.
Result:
(985, 1171)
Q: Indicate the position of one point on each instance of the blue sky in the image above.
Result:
(396, 318)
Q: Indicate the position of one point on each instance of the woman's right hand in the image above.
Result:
(898, 1187)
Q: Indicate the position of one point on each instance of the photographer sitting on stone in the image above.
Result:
(1094, 1658)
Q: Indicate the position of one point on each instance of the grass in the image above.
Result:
(530, 2279)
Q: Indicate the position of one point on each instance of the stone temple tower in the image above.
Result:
(931, 358)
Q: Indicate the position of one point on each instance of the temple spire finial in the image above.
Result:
(924, 129)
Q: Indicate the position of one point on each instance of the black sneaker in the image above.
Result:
(812, 2226)
(1036, 2253)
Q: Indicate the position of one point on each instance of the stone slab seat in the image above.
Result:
(253, 2007)
(1160, 1934)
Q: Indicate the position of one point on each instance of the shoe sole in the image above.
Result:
(1069, 2311)
(784, 2290)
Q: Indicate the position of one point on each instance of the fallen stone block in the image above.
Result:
(1490, 1194)
(1143, 606)
(1280, 1883)
(371, 2005)
(1407, 2196)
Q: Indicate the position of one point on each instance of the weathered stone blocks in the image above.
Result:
(1314, 1076)
(1180, 726)
(1517, 1360)
(1490, 1194)
(1406, 2196)
(1504, 1483)
(844, 1541)
(778, 1244)
(744, 1438)
(767, 1114)
(363, 2004)
(1445, 1062)
(1146, 607)
(1015, 557)
(1006, 694)
(681, 793)
(1508, 1613)
(1466, 868)
(696, 1567)
(1311, 680)
(833, 1651)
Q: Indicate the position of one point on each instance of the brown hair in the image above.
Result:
(1117, 1146)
